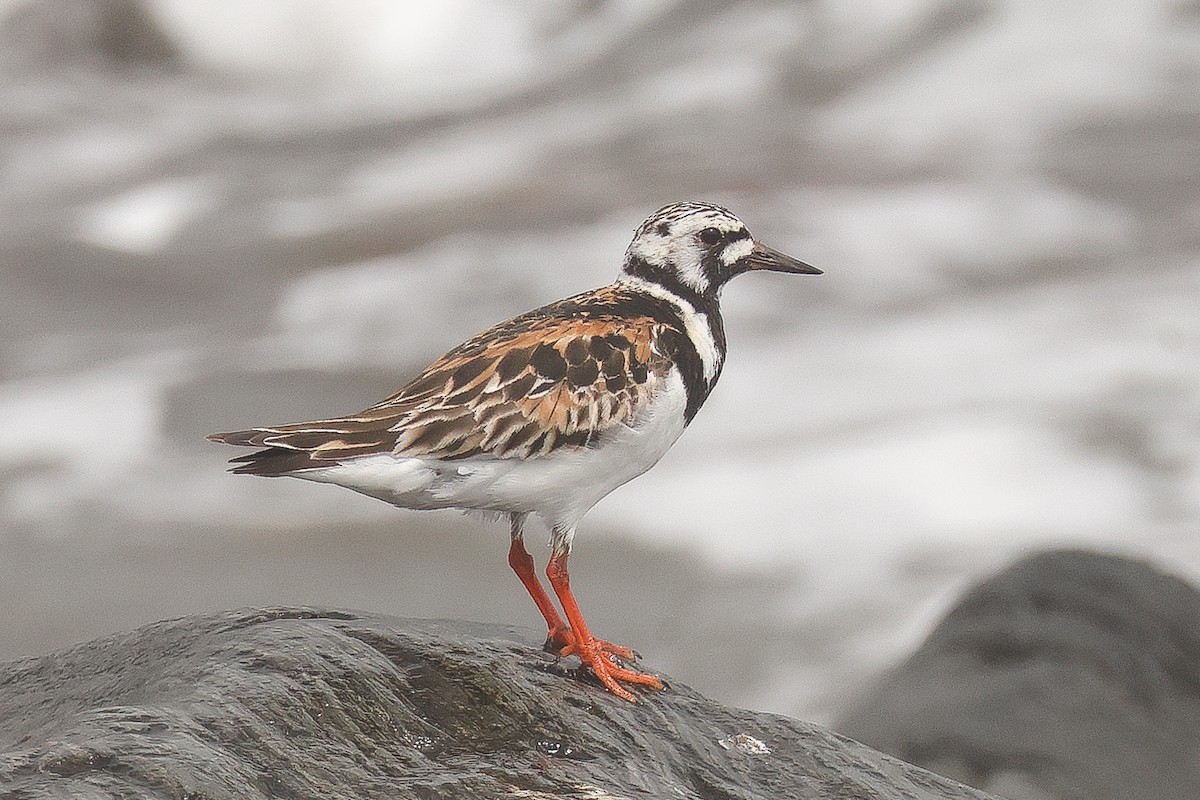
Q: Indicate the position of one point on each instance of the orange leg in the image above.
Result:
(559, 638)
(600, 660)
(521, 562)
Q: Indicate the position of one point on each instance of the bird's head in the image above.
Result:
(695, 248)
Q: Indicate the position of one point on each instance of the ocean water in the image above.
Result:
(291, 221)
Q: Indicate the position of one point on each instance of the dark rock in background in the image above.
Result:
(307, 703)
(1068, 675)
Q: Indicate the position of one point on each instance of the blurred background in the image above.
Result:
(219, 214)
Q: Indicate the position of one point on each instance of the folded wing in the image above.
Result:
(529, 388)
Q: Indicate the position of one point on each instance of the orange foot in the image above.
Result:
(601, 658)
(561, 640)
(573, 638)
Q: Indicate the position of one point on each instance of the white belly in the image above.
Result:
(559, 487)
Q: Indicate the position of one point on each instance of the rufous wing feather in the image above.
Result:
(522, 390)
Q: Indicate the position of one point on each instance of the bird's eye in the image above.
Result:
(710, 236)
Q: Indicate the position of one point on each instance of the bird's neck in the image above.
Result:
(695, 315)
(639, 272)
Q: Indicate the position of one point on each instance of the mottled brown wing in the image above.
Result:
(518, 391)
(554, 385)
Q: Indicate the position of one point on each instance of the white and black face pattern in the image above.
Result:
(699, 246)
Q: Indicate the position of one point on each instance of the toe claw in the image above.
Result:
(604, 660)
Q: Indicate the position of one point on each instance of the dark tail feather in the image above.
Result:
(250, 438)
(306, 445)
(273, 462)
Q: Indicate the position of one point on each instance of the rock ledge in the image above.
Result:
(301, 702)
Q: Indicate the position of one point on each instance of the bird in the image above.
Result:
(548, 412)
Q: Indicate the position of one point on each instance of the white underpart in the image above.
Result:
(695, 323)
(560, 487)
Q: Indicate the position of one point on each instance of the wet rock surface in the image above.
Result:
(1068, 675)
(312, 703)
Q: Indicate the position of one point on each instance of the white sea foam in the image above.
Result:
(1033, 63)
(144, 219)
(423, 51)
(73, 438)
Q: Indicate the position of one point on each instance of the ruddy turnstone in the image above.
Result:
(550, 411)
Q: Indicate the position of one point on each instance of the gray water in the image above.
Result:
(201, 233)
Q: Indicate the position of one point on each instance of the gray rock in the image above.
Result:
(1068, 675)
(310, 703)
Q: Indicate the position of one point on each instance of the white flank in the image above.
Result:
(384, 476)
(560, 487)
